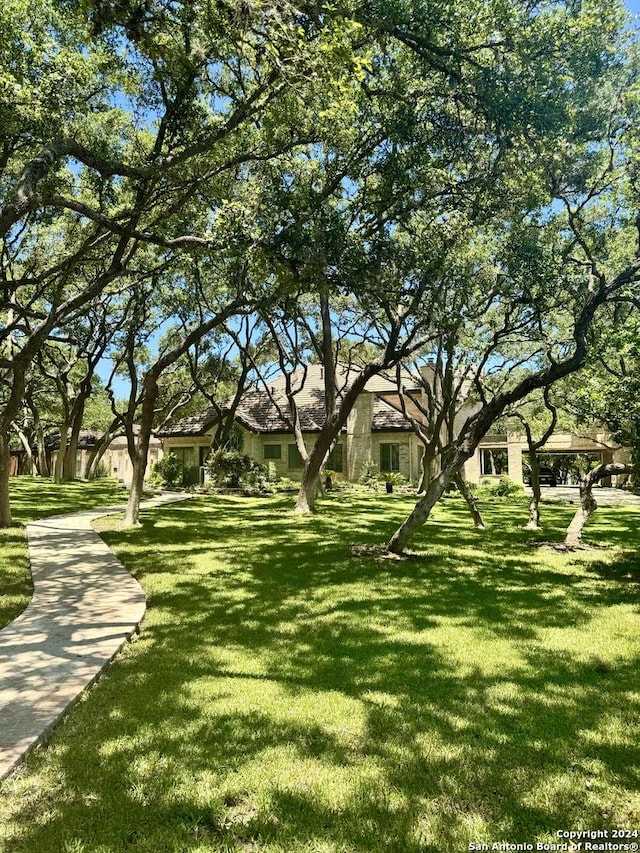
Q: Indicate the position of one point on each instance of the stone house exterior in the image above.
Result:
(376, 431)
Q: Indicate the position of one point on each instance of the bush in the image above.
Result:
(101, 471)
(272, 473)
(284, 484)
(394, 478)
(369, 474)
(167, 471)
(504, 487)
(233, 470)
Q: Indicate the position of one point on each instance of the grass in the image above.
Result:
(32, 499)
(286, 697)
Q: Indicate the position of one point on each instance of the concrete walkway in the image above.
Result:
(84, 607)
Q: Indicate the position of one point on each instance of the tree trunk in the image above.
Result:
(132, 513)
(43, 463)
(306, 500)
(5, 471)
(330, 431)
(28, 466)
(470, 500)
(95, 457)
(309, 487)
(70, 468)
(534, 505)
(588, 504)
(58, 467)
(421, 512)
(100, 448)
(141, 453)
(426, 464)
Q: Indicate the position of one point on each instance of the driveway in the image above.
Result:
(603, 495)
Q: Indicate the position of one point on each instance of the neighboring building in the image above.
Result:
(87, 439)
(376, 431)
(115, 460)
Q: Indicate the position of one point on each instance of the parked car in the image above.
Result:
(547, 477)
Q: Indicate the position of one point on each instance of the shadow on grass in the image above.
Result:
(286, 697)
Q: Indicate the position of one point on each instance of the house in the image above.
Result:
(376, 431)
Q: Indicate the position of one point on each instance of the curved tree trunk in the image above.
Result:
(420, 513)
(436, 489)
(97, 452)
(588, 504)
(101, 446)
(24, 441)
(310, 485)
(305, 502)
(470, 500)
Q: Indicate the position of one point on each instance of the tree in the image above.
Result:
(433, 405)
(540, 356)
(607, 391)
(529, 418)
(437, 160)
(588, 504)
(222, 366)
(122, 126)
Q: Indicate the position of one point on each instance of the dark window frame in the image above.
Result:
(391, 464)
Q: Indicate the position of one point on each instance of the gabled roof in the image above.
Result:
(265, 410)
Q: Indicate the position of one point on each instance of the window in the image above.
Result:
(334, 461)
(495, 461)
(272, 451)
(295, 459)
(389, 457)
(184, 454)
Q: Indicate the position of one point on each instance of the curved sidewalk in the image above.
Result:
(84, 607)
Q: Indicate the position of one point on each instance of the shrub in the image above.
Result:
(235, 470)
(167, 471)
(503, 487)
(101, 471)
(395, 478)
(369, 474)
(285, 484)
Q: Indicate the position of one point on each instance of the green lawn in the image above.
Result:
(33, 498)
(284, 696)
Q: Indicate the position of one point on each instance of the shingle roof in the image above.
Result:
(387, 417)
(265, 411)
(86, 439)
(196, 424)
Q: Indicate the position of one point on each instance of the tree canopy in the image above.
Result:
(456, 180)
